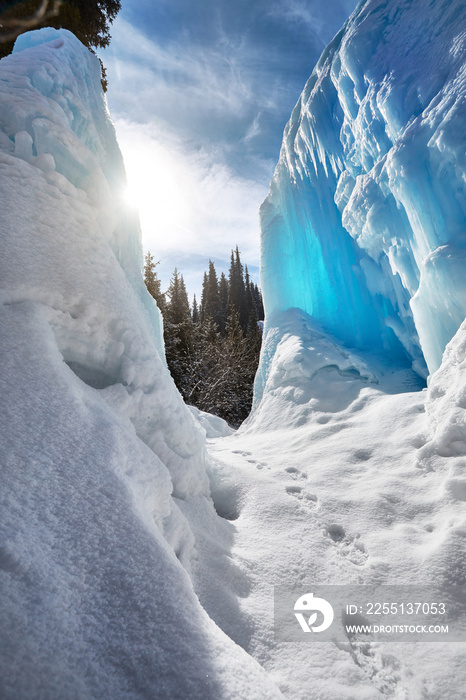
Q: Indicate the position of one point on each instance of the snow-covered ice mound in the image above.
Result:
(364, 227)
(98, 449)
(214, 426)
(302, 366)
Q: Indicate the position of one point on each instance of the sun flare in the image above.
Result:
(155, 187)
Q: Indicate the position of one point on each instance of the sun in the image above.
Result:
(156, 187)
(132, 196)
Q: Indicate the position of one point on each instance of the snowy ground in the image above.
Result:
(354, 494)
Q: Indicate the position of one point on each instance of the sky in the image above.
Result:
(200, 92)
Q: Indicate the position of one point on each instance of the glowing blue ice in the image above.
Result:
(365, 224)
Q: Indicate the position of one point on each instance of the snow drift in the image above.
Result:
(364, 226)
(98, 449)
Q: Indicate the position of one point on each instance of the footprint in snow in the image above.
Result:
(350, 547)
(245, 453)
(295, 473)
(362, 455)
(301, 494)
(259, 465)
(384, 670)
(323, 420)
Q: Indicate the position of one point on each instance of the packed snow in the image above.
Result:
(364, 226)
(141, 539)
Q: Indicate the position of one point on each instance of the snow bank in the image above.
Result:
(98, 450)
(305, 374)
(446, 409)
(213, 425)
(364, 226)
(304, 370)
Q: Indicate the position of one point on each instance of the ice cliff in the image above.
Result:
(99, 454)
(364, 227)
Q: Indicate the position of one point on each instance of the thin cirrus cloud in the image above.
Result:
(210, 95)
(200, 91)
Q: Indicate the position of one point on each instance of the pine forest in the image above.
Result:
(212, 346)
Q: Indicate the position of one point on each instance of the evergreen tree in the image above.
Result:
(195, 312)
(89, 20)
(253, 342)
(152, 281)
(203, 391)
(235, 386)
(184, 301)
(237, 292)
(212, 304)
(236, 345)
(260, 305)
(178, 311)
(204, 294)
(223, 295)
(178, 332)
(257, 301)
(220, 379)
(234, 284)
(251, 309)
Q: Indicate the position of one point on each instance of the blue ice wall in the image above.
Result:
(364, 227)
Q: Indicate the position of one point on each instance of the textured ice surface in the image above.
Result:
(98, 450)
(364, 227)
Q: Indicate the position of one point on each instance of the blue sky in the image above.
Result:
(200, 91)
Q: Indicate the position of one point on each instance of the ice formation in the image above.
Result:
(364, 226)
(99, 452)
